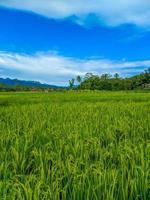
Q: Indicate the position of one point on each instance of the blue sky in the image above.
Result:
(53, 41)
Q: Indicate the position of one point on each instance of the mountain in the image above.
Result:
(14, 82)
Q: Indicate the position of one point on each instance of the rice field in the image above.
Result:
(75, 146)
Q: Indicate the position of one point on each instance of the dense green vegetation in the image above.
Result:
(88, 82)
(75, 145)
(7, 88)
(109, 82)
(21, 88)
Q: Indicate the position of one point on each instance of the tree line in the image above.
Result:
(94, 82)
(22, 88)
(108, 82)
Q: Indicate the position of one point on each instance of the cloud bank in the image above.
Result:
(55, 69)
(110, 12)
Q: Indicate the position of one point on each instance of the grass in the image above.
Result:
(75, 146)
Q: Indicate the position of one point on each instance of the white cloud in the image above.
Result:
(56, 69)
(110, 12)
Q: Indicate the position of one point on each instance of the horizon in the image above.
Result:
(67, 85)
(56, 41)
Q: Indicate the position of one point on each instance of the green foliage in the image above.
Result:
(116, 75)
(75, 145)
(79, 79)
(4, 88)
(107, 82)
(71, 83)
(21, 88)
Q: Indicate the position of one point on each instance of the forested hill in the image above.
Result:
(22, 83)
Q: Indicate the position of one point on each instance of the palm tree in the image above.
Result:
(71, 83)
(78, 78)
(116, 75)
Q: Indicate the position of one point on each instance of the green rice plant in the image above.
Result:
(75, 145)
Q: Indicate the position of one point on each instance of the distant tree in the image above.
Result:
(106, 82)
(88, 75)
(78, 78)
(19, 88)
(116, 75)
(105, 76)
(147, 76)
(148, 70)
(71, 83)
(3, 87)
